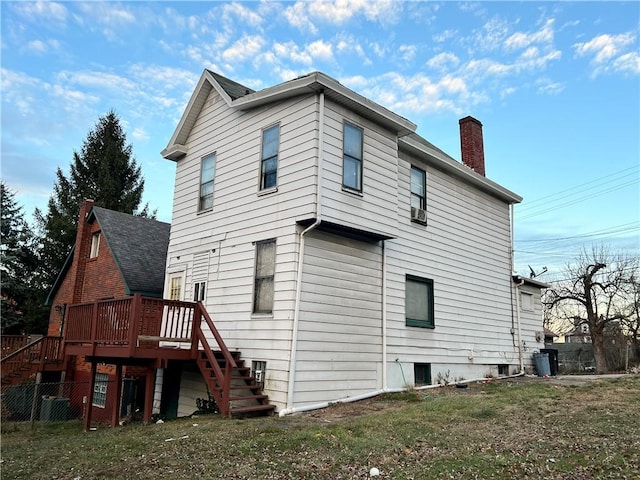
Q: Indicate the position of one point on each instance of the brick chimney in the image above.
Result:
(472, 145)
(82, 250)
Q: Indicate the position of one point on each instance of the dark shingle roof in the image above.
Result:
(233, 89)
(139, 248)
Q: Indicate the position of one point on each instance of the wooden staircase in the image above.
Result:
(229, 381)
(43, 354)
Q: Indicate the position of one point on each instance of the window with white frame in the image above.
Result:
(352, 160)
(175, 287)
(419, 302)
(100, 390)
(207, 173)
(95, 245)
(199, 291)
(418, 195)
(264, 275)
(269, 158)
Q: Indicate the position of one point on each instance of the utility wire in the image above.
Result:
(547, 198)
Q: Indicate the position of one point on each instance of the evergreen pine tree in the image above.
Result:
(18, 264)
(104, 170)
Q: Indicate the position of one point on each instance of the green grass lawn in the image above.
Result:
(506, 429)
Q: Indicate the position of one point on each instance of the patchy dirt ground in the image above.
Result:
(338, 411)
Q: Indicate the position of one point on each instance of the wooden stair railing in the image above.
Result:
(30, 359)
(225, 373)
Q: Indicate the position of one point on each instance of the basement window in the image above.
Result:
(258, 371)
(100, 390)
(422, 373)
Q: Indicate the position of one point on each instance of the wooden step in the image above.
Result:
(253, 409)
(249, 397)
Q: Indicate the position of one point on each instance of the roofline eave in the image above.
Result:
(446, 163)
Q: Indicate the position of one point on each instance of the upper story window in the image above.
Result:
(418, 302)
(352, 162)
(207, 172)
(95, 245)
(418, 195)
(265, 269)
(269, 158)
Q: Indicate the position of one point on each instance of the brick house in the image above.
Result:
(115, 255)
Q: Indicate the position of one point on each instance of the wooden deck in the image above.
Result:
(133, 330)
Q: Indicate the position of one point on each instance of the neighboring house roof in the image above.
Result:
(242, 98)
(530, 281)
(138, 246)
(549, 333)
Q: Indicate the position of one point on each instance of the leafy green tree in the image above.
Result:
(18, 266)
(105, 171)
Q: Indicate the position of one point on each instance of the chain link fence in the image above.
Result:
(55, 402)
(578, 357)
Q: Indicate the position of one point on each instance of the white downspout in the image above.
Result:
(520, 356)
(517, 290)
(313, 226)
(384, 316)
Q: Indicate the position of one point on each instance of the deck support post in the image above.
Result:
(88, 407)
(148, 395)
(115, 415)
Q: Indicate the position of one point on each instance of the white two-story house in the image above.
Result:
(339, 251)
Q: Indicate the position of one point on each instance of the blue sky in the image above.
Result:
(555, 84)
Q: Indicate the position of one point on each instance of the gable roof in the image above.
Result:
(239, 97)
(139, 249)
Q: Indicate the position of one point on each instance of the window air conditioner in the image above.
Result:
(418, 215)
(258, 375)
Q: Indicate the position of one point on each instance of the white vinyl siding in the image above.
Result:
(375, 208)
(339, 344)
(466, 252)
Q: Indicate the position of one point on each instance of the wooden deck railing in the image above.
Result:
(133, 322)
(46, 350)
(13, 343)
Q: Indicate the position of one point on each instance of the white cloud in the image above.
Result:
(48, 11)
(338, 12)
(609, 53)
(297, 17)
(290, 51)
(407, 52)
(95, 79)
(242, 13)
(548, 87)
(627, 63)
(320, 50)
(243, 49)
(443, 61)
(444, 36)
(139, 134)
(522, 40)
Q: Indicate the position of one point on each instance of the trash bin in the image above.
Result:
(54, 409)
(553, 359)
(541, 361)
